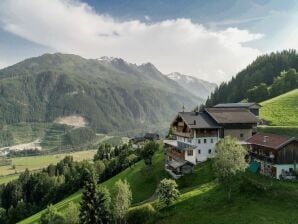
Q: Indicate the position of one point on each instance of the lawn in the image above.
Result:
(38, 162)
(207, 203)
(143, 182)
(281, 110)
(280, 130)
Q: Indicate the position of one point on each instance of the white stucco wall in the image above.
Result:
(192, 158)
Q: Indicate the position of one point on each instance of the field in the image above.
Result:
(281, 110)
(38, 162)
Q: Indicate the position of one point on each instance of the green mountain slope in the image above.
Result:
(113, 95)
(263, 70)
(281, 110)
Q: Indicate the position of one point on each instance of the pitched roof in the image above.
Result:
(235, 105)
(232, 115)
(198, 120)
(272, 141)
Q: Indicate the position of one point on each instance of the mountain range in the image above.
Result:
(198, 87)
(114, 96)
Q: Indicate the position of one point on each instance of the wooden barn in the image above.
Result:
(273, 155)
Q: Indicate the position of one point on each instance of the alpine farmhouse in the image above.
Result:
(198, 132)
(196, 135)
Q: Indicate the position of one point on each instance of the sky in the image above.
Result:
(207, 39)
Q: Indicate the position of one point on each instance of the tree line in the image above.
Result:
(33, 191)
(271, 71)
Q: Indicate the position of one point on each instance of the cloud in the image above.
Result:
(71, 26)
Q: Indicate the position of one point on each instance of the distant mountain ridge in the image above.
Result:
(198, 87)
(114, 96)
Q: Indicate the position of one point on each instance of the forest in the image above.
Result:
(268, 76)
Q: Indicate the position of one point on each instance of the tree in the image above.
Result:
(95, 204)
(148, 152)
(167, 191)
(72, 214)
(121, 200)
(100, 168)
(228, 162)
(51, 216)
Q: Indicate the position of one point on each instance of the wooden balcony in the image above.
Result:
(175, 154)
(183, 134)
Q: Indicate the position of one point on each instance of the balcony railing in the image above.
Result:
(262, 157)
(183, 134)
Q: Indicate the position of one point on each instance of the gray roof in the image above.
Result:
(235, 105)
(232, 115)
(198, 120)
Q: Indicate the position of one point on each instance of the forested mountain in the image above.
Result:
(262, 79)
(198, 87)
(113, 95)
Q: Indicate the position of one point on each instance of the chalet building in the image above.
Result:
(198, 132)
(273, 155)
(252, 107)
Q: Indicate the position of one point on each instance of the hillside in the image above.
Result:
(113, 96)
(281, 110)
(143, 184)
(198, 87)
(204, 201)
(260, 73)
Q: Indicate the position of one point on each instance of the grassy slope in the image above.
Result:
(38, 162)
(203, 201)
(143, 184)
(281, 110)
(281, 113)
(207, 203)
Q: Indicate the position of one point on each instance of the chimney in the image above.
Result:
(265, 138)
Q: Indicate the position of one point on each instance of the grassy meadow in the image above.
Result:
(7, 173)
(281, 110)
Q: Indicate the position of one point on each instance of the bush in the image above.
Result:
(140, 214)
(251, 186)
(51, 216)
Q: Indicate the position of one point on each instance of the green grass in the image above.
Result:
(143, 183)
(38, 162)
(207, 203)
(280, 130)
(281, 110)
(7, 178)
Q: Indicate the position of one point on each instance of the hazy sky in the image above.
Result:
(209, 39)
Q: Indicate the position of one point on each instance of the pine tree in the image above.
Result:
(95, 204)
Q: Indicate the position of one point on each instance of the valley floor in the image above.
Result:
(32, 163)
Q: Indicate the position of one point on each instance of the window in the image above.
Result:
(211, 140)
(205, 140)
(199, 141)
(209, 151)
(241, 135)
(194, 122)
(199, 151)
(189, 152)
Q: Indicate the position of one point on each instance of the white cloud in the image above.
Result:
(172, 45)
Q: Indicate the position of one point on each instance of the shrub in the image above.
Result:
(251, 186)
(140, 214)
